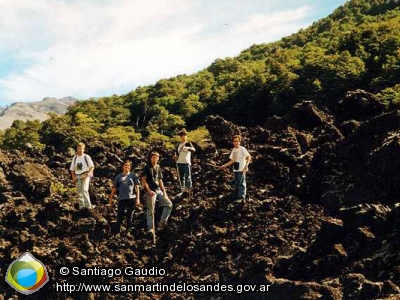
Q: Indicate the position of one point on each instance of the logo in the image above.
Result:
(26, 274)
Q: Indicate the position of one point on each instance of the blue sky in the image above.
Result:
(92, 48)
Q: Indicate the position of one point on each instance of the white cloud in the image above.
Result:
(270, 22)
(92, 48)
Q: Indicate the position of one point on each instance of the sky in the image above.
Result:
(97, 48)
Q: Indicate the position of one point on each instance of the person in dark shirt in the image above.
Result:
(127, 185)
(152, 182)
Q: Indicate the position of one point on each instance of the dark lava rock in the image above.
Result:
(32, 179)
(359, 105)
(304, 167)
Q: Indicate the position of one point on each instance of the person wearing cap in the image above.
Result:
(152, 182)
(183, 161)
(82, 168)
(240, 159)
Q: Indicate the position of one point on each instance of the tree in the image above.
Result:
(56, 131)
(21, 133)
(390, 96)
(139, 103)
(164, 122)
(1, 138)
(124, 135)
(84, 128)
(189, 106)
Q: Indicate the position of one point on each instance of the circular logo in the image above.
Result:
(26, 274)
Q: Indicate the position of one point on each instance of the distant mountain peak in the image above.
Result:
(64, 99)
(34, 110)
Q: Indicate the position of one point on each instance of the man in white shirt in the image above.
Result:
(240, 159)
(81, 171)
(183, 160)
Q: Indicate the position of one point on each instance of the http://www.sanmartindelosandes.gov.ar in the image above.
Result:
(26, 274)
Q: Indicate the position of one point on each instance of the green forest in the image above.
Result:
(356, 47)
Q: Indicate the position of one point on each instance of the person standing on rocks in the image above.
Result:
(183, 161)
(127, 185)
(240, 159)
(152, 182)
(82, 168)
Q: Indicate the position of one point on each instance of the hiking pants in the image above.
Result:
(82, 189)
(151, 201)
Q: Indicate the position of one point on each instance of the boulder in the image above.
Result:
(33, 179)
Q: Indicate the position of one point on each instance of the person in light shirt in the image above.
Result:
(183, 161)
(82, 168)
(240, 159)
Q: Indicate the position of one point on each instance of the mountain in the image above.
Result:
(33, 110)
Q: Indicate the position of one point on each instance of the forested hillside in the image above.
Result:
(356, 47)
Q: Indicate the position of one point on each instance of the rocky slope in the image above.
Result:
(33, 110)
(321, 221)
